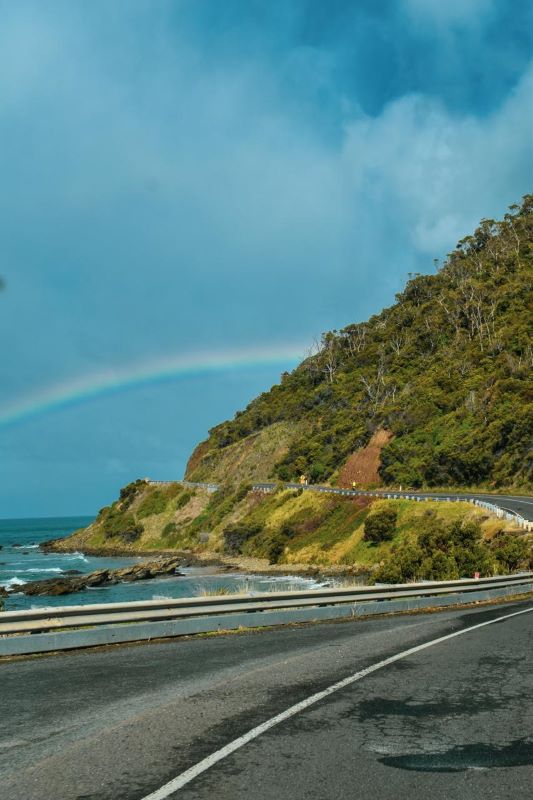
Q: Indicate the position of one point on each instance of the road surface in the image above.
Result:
(516, 504)
(453, 720)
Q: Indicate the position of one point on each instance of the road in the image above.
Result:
(453, 720)
(517, 504)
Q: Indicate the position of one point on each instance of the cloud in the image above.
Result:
(443, 13)
(431, 168)
(196, 175)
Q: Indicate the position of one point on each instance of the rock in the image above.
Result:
(96, 578)
(3, 592)
(72, 572)
(52, 587)
(102, 577)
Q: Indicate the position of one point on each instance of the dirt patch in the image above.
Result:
(363, 465)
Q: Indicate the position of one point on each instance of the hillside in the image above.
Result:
(434, 391)
(297, 530)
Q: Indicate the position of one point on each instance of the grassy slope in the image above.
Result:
(251, 458)
(328, 531)
(164, 514)
(300, 528)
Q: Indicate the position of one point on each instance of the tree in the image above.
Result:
(380, 526)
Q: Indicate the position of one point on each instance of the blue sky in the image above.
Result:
(195, 176)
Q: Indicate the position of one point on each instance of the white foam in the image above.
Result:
(13, 582)
(76, 557)
(25, 546)
(36, 569)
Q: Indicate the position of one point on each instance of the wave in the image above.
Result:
(36, 569)
(76, 557)
(13, 582)
(25, 547)
(162, 597)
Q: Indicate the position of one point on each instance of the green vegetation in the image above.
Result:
(169, 529)
(116, 522)
(447, 370)
(440, 552)
(154, 502)
(147, 516)
(183, 499)
(381, 526)
(512, 552)
(236, 535)
(391, 540)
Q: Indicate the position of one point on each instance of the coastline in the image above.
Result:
(221, 563)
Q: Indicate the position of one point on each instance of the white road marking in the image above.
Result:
(189, 774)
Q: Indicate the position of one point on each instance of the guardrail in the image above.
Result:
(46, 629)
(500, 512)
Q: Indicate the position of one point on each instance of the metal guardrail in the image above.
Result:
(63, 618)
(499, 511)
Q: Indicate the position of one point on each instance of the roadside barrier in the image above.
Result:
(501, 513)
(42, 630)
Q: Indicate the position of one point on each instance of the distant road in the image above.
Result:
(448, 721)
(516, 504)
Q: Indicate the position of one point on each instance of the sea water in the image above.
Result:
(22, 560)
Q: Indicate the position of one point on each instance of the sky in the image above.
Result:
(194, 190)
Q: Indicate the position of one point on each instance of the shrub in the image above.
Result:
(155, 502)
(128, 493)
(440, 553)
(403, 565)
(132, 535)
(380, 526)
(242, 491)
(276, 548)
(439, 567)
(236, 535)
(122, 524)
(512, 552)
(169, 529)
(183, 499)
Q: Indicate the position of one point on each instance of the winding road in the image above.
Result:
(434, 705)
(515, 504)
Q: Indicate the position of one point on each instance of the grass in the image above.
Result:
(251, 458)
(305, 528)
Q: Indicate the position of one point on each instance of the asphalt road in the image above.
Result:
(451, 721)
(515, 503)
(518, 504)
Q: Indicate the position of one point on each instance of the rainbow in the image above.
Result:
(113, 380)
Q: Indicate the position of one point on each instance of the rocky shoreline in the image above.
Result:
(248, 565)
(104, 577)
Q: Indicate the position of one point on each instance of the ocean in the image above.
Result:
(21, 560)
